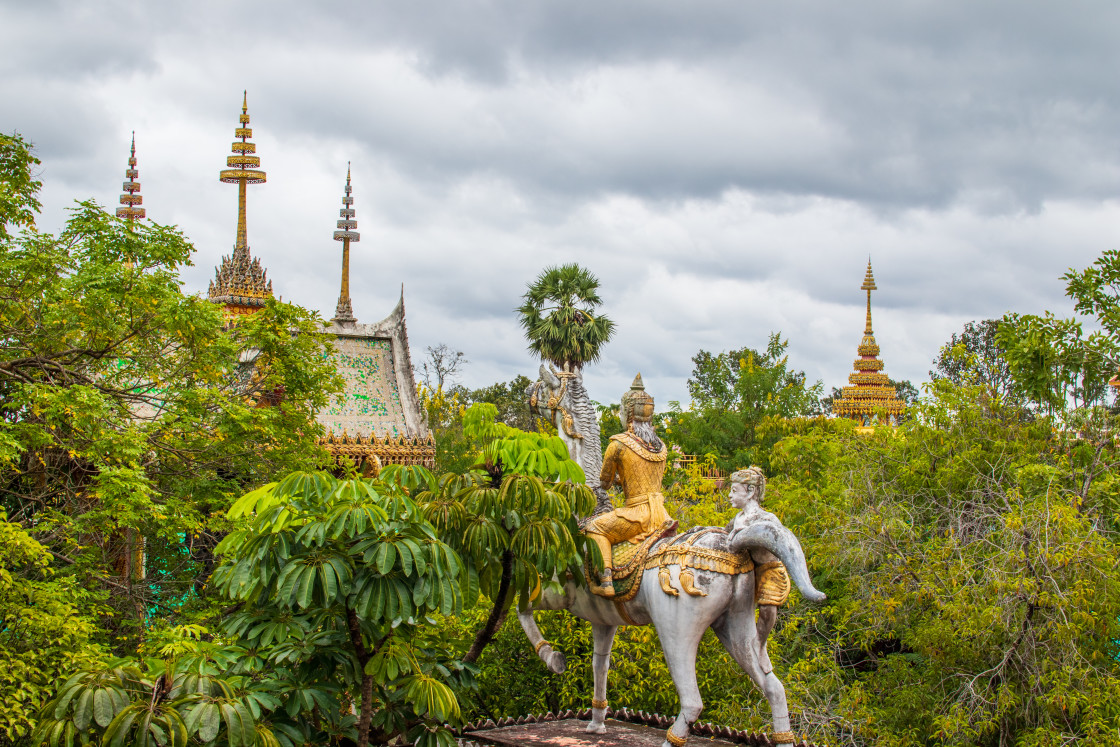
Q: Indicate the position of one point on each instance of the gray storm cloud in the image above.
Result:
(725, 168)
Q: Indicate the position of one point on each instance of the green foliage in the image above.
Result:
(1053, 361)
(974, 357)
(559, 317)
(455, 450)
(1055, 364)
(610, 423)
(129, 411)
(42, 635)
(731, 394)
(18, 187)
(972, 581)
(510, 400)
(1096, 292)
(158, 703)
(337, 580)
(513, 519)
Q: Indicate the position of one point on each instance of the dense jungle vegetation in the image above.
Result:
(970, 556)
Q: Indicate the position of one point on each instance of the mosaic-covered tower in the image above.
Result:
(870, 400)
(240, 284)
(378, 419)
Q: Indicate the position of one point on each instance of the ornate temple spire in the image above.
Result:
(131, 198)
(868, 285)
(870, 393)
(344, 313)
(241, 284)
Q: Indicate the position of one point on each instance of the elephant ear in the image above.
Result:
(549, 377)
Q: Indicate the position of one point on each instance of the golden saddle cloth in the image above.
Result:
(629, 560)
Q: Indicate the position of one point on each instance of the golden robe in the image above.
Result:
(639, 471)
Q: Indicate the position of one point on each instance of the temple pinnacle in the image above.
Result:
(132, 198)
(868, 285)
(344, 312)
(243, 169)
(241, 284)
(870, 393)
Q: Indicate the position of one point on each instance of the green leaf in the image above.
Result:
(386, 557)
(83, 709)
(209, 722)
(103, 712)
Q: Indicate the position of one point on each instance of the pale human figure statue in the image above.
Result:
(748, 488)
(635, 460)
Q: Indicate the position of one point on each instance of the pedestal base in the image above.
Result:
(570, 733)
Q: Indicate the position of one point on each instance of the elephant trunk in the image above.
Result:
(771, 535)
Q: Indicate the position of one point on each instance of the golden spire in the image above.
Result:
(131, 198)
(241, 283)
(870, 393)
(344, 313)
(868, 285)
(243, 168)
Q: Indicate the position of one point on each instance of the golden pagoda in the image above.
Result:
(131, 196)
(871, 397)
(344, 312)
(241, 284)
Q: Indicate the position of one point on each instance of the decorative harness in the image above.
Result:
(633, 560)
(554, 406)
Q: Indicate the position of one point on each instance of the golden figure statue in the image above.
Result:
(635, 460)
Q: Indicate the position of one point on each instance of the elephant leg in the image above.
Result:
(767, 616)
(552, 658)
(679, 641)
(738, 634)
(601, 665)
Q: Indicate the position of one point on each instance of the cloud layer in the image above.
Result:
(725, 168)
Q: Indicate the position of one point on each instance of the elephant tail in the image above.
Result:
(771, 535)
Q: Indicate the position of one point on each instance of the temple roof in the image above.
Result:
(870, 393)
(379, 398)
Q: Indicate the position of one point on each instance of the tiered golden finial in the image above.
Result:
(344, 313)
(870, 394)
(241, 283)
(131, 197)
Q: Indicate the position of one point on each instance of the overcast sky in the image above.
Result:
(725, 167)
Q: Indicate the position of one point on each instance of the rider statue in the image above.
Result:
(635, 459)
(771, 586)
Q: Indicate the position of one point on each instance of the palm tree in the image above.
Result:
(559, 320)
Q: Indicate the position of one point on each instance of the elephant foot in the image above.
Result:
(556, 662)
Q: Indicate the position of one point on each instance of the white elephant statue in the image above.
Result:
(716, 569)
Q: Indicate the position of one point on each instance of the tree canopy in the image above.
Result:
(732, 393)
(560, 317)
(131, 416)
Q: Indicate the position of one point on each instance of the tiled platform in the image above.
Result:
(570, 733)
